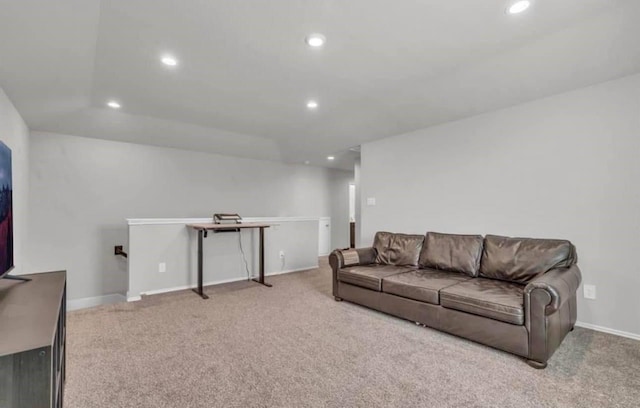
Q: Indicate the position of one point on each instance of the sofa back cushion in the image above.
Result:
(451, 252)
(521, 260)
(397, 249)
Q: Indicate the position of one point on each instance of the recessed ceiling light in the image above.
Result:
(113, 105)
(169, 60)
(330, 158)
(307, 162)
(315, 40)
(519, 6)
(312, 104)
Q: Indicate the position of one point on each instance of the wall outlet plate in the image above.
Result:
(589, 291)
(281, 254)
(162, 267)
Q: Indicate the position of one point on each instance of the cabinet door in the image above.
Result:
(6, 381)
(29, 378)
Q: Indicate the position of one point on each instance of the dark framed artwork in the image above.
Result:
(6, 211)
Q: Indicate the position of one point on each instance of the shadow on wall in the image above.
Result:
(113, 276)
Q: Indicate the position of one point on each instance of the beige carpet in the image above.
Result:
(294, 346)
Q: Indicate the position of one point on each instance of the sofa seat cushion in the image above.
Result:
(423, 285)
(369, 276)
(486, 297)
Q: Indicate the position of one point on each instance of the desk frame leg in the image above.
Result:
(200, 291)
(260, 279)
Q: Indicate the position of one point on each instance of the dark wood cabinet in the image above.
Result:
(33, 341)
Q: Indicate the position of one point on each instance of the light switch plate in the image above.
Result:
(371, 201)
(589, 291)
(162, 267)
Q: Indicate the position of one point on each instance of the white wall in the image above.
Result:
(357, 181)
(15, 134)
(83, 189)
(340, 209)
(176, 245)
(562, 167)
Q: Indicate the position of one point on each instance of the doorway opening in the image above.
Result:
(352, 215)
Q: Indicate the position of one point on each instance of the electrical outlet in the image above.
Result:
(589, 291)
(162, 267)
(281, 254)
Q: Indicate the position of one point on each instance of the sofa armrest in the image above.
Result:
(366, 256)
(559, 284)
(550, 311)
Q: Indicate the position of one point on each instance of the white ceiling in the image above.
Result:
(245, 73)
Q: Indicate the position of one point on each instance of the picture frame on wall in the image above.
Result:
(6, 210)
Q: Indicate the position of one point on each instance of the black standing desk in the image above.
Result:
(202, 233)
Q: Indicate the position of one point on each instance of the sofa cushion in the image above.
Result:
(397, 249)
(450, 252)
(486, 297)
(369, 276)
(423, 285)
(523, 259)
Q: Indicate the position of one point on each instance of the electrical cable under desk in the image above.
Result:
(244, 258)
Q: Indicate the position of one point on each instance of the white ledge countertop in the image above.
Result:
(168, 221)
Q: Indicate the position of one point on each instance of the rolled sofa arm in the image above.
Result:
(550, 311)
(559, 284)
(365, 256)
(355, 257)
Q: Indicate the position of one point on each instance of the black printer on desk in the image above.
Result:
(227, 219)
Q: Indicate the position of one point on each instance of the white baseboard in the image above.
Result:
(83, 303)
(135, 298)
(608, 330)
(292, 270)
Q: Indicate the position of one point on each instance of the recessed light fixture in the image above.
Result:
(312, 104)
(330, 158)
(169, 60)
(519, 7)
(315, 40)
(307, 162)
(113, 105)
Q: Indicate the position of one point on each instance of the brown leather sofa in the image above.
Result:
(514, 294)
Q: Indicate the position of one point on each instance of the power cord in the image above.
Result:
(244, 258)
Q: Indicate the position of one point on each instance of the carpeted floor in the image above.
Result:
(294, 346)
